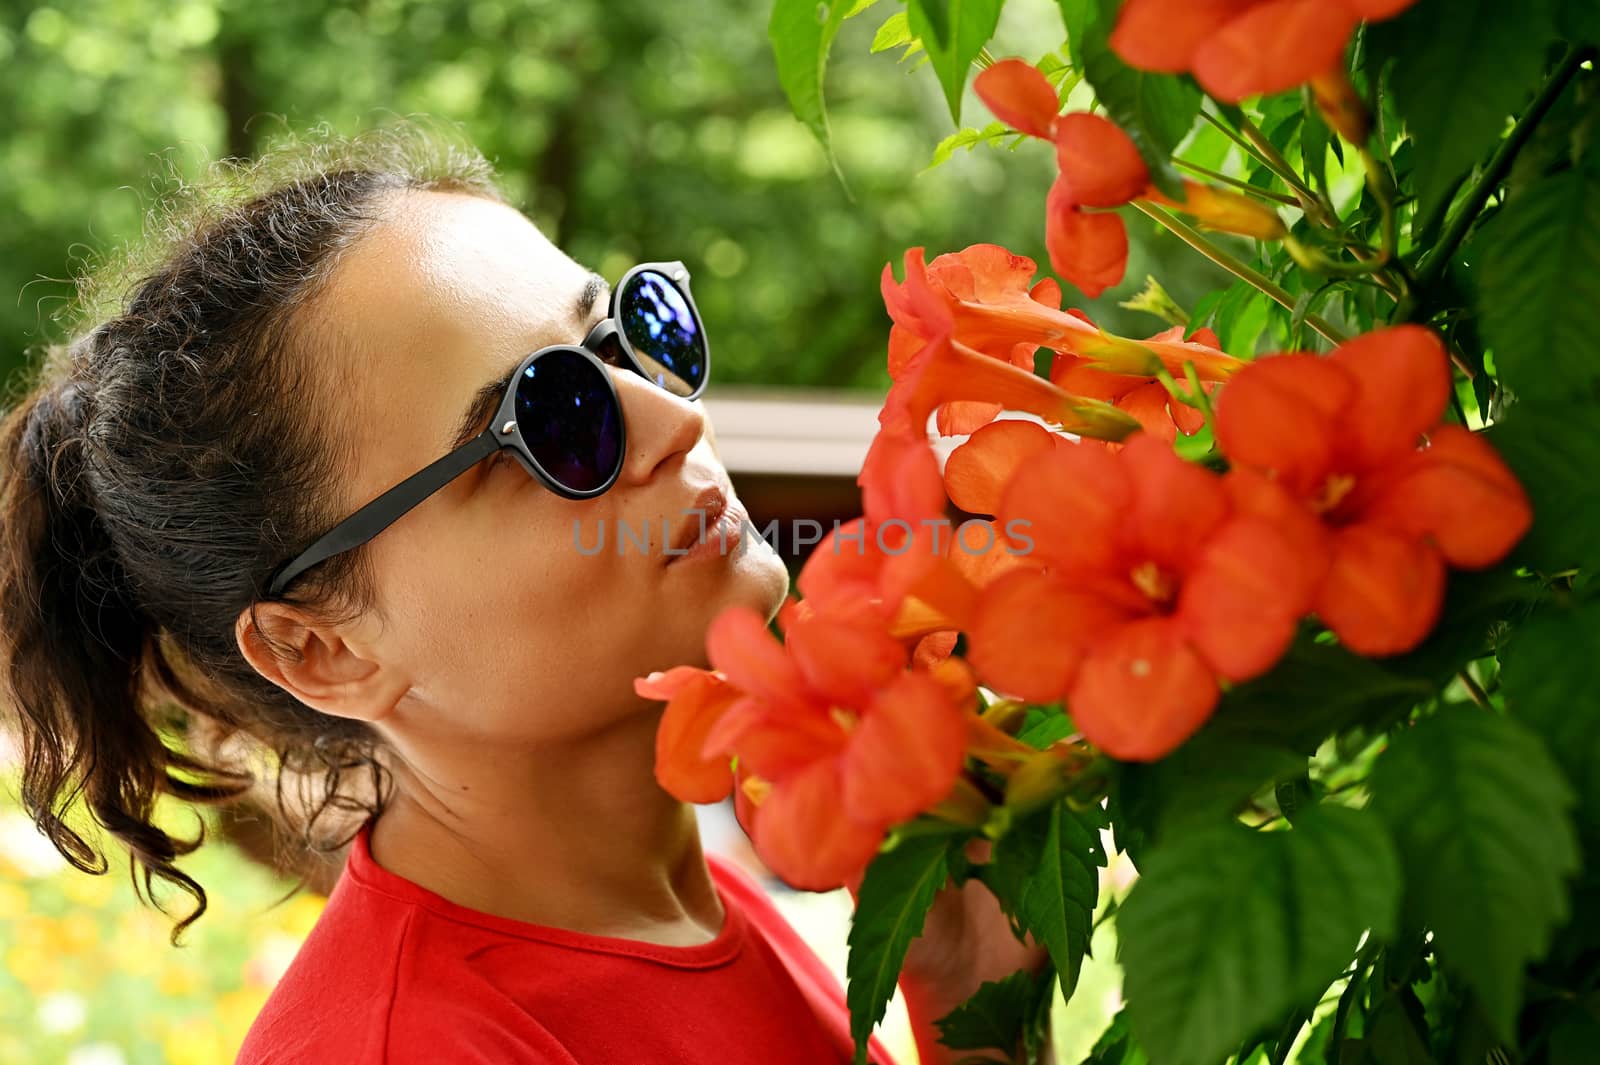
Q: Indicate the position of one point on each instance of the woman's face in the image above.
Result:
(498, 625)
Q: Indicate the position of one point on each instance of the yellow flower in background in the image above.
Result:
(94, 892)
(300, 913)
(195, 1041)
(179, 979)
(237, 1009)
(13, 900)
(80, 948)
(78, 934)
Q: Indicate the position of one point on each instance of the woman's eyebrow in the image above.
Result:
(485, 400)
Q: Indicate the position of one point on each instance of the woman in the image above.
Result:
(518, 889)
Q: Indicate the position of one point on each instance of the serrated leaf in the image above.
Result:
(967, 26)
(1058, 901)
(801, 33)
(1228, 929)
(1548, 675)
(1480, 812)
(996, 1014)
(1540, 287)
(1316, 690)
(1043, 873)
(894, 32)
(1554, 450)
(896, 893)
(1201, 784)
(1494, 52)
(968, 138)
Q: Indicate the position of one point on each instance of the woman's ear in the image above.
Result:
(318, 665)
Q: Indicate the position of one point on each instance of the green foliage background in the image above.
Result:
(627, 129)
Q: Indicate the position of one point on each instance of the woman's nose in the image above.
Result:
(661, 426)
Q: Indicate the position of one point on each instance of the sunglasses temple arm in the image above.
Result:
(388, 508)
(603, 331)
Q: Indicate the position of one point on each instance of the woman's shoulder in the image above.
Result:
(359, 992)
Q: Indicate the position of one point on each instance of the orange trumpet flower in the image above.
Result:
(1356, 437)
(1238, 48)
(850, 739)
(696, 699)
(1145, 398)
(1100, 167)
(1153, 588)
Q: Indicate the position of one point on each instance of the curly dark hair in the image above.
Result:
(169, 453)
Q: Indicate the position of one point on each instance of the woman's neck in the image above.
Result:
(578, 836)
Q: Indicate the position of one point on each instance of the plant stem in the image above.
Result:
(1499, 165)
(1243, 186)
(1192, 237)
(1199, 391)
(1318, 210)
(1474, 689)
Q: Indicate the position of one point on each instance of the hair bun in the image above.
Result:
(56, 422)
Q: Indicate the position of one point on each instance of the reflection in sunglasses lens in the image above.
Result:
(654, 315)
(569, 419)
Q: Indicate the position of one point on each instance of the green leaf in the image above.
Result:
(1494, 51)
(1241, 316)
(1228, 929)
(1043, 873)
(997, 1014)
(1042, 727)
(1116, 1045)
(967, 26)
(802, 32)
(936, 21)
(895, 895)
(1077, 16)
(1578, 21)
(1554, 450)
(1479, 810)
(1314, 138)
(1200, 785)
(1203, 311)
(1316, 690)
(968, 138)
(1392, 1036)
(1540, 287)
(1548, 676)
(894, 32)
(1058, 901)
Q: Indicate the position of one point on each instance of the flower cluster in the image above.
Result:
(1128, 583)
(1100, 167)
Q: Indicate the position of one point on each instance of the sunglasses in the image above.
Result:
(560, 415)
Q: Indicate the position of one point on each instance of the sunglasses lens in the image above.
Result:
(569, 419)
(655, 316)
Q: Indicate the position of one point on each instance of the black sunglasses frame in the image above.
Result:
(504, 432)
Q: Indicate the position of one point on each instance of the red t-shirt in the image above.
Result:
(394, 974)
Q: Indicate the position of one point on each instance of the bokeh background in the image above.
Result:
(628, 130)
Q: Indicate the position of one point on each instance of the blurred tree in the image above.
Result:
(628, 130)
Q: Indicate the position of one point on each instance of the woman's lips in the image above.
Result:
(714, 531)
